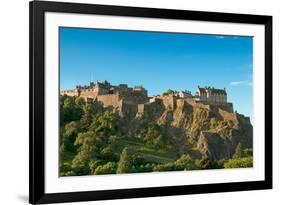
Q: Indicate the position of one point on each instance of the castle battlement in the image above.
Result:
(120, 97)
(109, 95)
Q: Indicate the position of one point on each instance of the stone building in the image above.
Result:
(135, 100)
(184, 94)
(117, 97)
(211, 95)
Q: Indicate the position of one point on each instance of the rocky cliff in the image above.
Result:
(206, 131)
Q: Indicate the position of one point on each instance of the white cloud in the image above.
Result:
(242, 82)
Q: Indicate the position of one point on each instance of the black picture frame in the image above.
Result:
(37, 10)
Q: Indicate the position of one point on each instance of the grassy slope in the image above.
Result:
(149, 154)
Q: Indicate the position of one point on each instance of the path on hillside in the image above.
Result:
(151, 156)
(133, 142)
(165, 159)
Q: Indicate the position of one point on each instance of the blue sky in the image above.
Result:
(159, 61)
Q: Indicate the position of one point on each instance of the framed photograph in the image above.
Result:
(141, 102)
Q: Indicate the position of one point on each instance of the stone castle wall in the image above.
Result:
(88, 93)
(200, 104)
(71, 93)
(127, 99)
(127, 108)
(147, 107)
(216, 98)
(224, 106)
(109, 100)
(227, 106)
(152, 109)
(228, 116)
(136, 99)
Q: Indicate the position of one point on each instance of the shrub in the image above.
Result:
(239, 163)
(108, 168)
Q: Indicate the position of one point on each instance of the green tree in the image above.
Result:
(70, 110)
(69, 134)
(124, 164)
(206, 163)
(61, 101)
(153, 136)
(243, 162)
(108, 168)
(248, 152)
(238, 152)
(95, 163)
(62, 152)
(87, 117)
(90, 145)
(80, 102)
(185, 162)
(108, 153)
(98, 142)
(164, 167)
(105, 124)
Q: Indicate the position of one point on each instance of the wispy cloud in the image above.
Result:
(219, 37)
(242, 82)
(234, 83)
(250, 83)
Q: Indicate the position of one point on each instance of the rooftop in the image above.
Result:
(212, 90)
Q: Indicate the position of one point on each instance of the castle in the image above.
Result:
(135, 100)
(211, 95)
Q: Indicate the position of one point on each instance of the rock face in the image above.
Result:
(213, 131)
(213, 146)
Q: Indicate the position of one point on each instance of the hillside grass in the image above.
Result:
(149, 154)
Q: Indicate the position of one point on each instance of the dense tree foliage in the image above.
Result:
(238, 152)
(239, 163)
(242, 158)
(72, 109)
(108, 168)
(153, 136)
(124, 164)
(95, 140)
